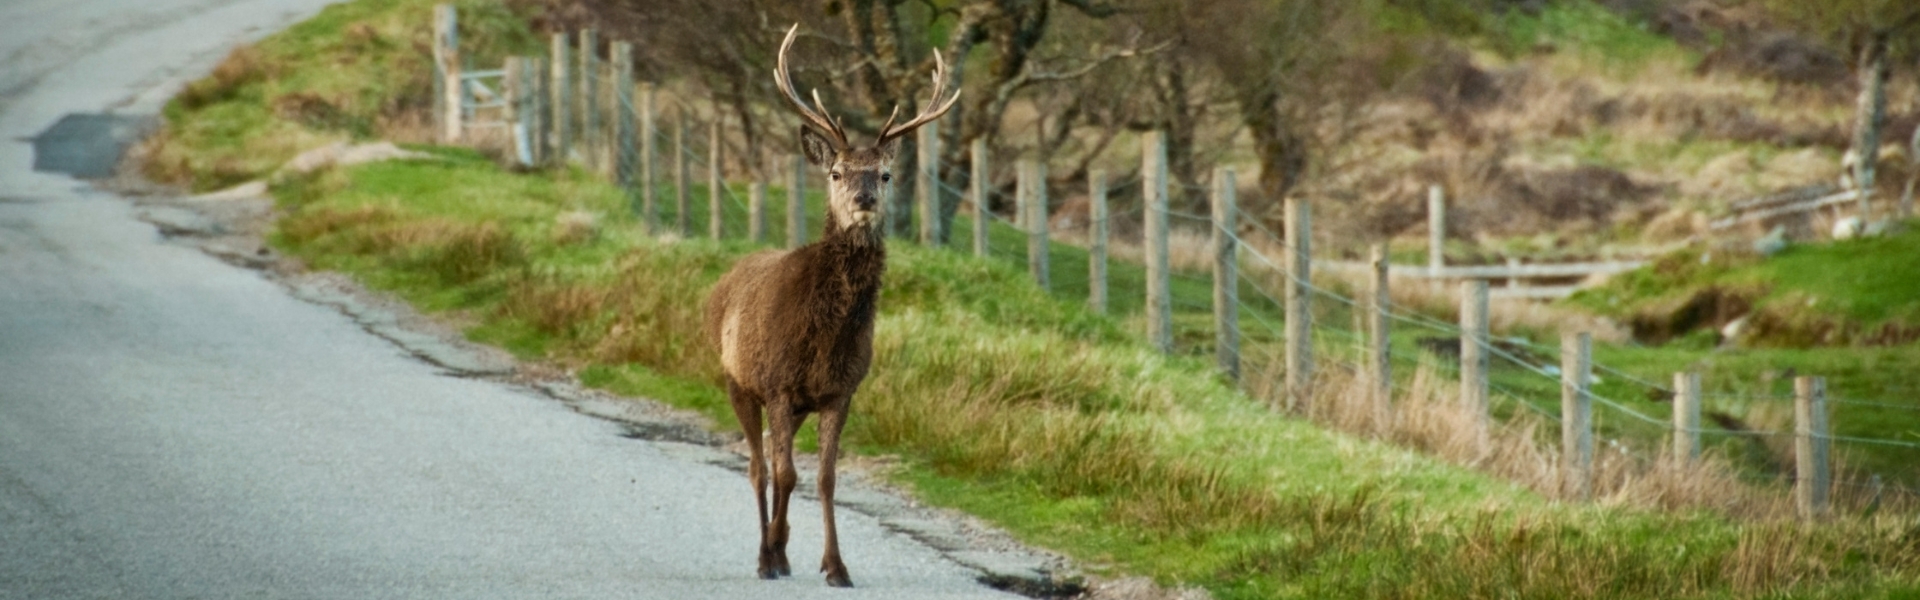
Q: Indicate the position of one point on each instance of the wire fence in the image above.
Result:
(1535, 363)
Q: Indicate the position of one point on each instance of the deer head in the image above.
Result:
(859, 179)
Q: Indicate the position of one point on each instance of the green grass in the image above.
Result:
(1817, 309)
(1818, 294)
(1597, 35)
(1054, 422)
(355, 71)
(999, 397)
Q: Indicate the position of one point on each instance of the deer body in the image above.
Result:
(811, 307)
(795, 328)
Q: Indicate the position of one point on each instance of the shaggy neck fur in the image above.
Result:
(857, 256)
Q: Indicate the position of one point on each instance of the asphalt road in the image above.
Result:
(174, 427)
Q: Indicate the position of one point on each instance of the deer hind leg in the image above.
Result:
(783, 422)
(746, 408)
(831, 421)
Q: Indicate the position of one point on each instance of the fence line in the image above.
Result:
(555, 129)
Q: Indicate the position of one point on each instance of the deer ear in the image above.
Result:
(819, 151)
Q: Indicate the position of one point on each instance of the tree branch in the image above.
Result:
(1097, 11)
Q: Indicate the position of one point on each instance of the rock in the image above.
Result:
(1732, 330)
(1772, 243)
(1847, 228)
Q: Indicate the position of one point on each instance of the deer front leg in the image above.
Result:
(783, 423)
(831, 421)
(746, 408)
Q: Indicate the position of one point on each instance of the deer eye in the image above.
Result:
(834, 176)
(886, 177)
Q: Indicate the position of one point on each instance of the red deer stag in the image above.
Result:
(795, 327)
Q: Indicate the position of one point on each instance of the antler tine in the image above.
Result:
(814, 116)
(935, 108)
(890, 117)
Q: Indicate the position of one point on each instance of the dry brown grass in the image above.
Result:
(654, 315)
(1426, 415)
(454, 251)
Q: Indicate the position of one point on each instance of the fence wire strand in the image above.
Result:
(1258, 316)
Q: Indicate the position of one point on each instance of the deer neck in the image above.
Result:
(856, 257)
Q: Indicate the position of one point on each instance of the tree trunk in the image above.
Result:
(1281, 148)
(1869, 116)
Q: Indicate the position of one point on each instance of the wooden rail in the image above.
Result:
(1751, 215)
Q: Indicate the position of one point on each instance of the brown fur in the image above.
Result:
(795, 328)
(795, 334)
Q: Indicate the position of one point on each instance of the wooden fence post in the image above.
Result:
(797, 203)
(898, 216)
(1686, 417)
(1379, 344)
(683, 195)
(981, 183)
(608, 151)
(1299, 264)
(1473, 357)
(589, 100)
(446, 61)
(1097, 221)
(1576, 411)
(1905, 211)
(562, 102)
(757, 212)
(1153, 169)
(649, 162)
(1436, 230)
(1226, 275)
(437, 103)
(927, 185)
(716, 187)
(513, 88)
(1810, 446)
(540, 111)
(1033, 204)
(623, 106)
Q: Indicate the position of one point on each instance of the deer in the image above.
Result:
(794, 328)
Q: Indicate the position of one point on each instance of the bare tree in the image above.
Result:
(1877, 32)
(880, 49)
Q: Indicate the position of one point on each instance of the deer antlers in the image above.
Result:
(816, 115)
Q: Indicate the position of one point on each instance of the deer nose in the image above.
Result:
(864, 201)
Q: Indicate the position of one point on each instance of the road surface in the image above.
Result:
(174, 427)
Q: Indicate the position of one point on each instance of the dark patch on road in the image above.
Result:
(668, 432)
(85, 145)
(1045, 588)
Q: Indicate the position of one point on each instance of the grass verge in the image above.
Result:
(1007, 400)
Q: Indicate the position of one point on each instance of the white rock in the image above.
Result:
(1773, 243)
(1733, 329)
(1847, 228)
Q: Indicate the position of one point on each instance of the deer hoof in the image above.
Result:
(836, 573)
(839, 580)
(780, 567)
